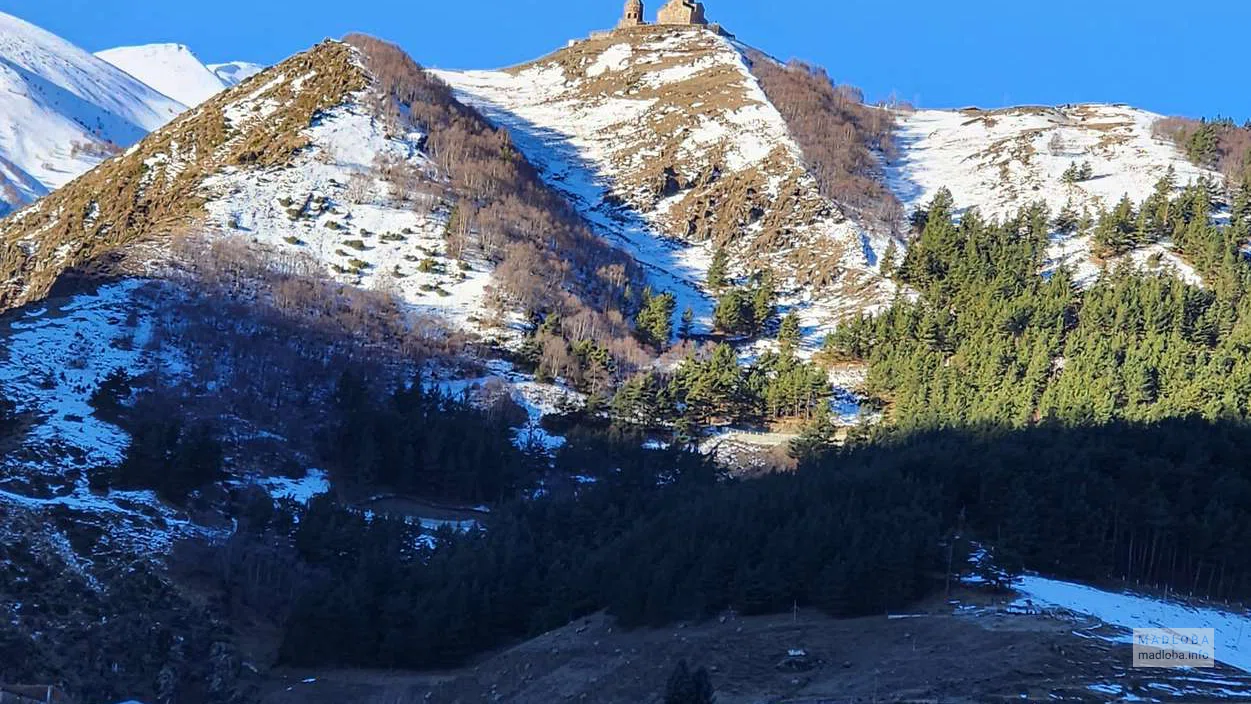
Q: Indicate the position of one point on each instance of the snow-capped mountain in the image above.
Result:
(235, 72)
(63, 110)
(170, 68)
(253, 161)
(664, 139)
(289, 166)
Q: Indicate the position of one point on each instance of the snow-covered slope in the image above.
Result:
(289, 163)
(235, 72)
(663, 138)
(169, 68)
(63, 110)
(1002, 160)
(1130, 611)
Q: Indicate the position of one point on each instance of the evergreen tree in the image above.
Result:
(688, 323)
(112, 392)
(818, 436)
(789, 333)
(1202, 147)
(1117, 231)
(763, 303)
(718, 270)
(734, 313)
(889, 259)
(654, 321)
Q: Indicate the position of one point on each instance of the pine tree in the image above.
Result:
(763, 303)
(718, 270)
(655, 320)
(1067, 221)
(1071, 174)
(688, 323)
(1117, 231)
(1202, 147)
(889, 259)
(734, 313)
(817, 437)
(789, 333)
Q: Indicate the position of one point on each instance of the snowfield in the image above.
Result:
(235, 72)
(169, 68)
(333, 208)
(1000, 161)
(62, 111)
(53, 359)
(1129, 611)
(57, 357)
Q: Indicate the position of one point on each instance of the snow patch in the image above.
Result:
(1129, 611)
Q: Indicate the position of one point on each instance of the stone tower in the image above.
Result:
(633, 15)
(682, 12)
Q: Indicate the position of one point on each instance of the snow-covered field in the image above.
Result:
(62, 110)
(1002, 160)
(1129, 611)
(54, 357)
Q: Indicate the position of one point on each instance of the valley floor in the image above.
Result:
(977, 648)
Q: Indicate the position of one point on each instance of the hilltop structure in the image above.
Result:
(674, 12)
(682, 12)
(633, 15)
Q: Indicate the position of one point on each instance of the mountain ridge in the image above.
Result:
(64, 111)
(170, 68)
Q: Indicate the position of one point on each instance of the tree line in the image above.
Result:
(859, 531)
(989, 340)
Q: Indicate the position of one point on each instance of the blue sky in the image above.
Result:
(1174, 58)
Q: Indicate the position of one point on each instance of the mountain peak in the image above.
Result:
(156, 186)
(171, 69)
(235, 72)
(664, 137)
(63, 111)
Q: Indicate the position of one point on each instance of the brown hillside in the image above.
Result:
(152, 190)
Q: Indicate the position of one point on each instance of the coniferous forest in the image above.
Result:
(1094, 433)
(1126, 468)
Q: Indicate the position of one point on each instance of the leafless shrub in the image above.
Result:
(360, 189)
(1227, 148)
(839, 135)
(500, 201)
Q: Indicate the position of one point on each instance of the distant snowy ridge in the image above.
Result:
(62, 111)
(235, 72)
(169, 68)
